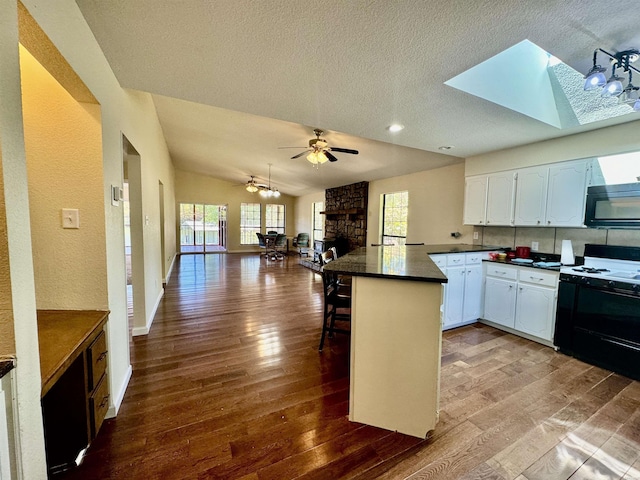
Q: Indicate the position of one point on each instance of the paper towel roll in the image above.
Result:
(566, 254)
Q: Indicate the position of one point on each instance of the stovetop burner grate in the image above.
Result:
(591, 270)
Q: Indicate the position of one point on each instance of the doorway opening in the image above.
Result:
(203, 228)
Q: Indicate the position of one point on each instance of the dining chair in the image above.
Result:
(280, 246)
(262, 243)
(302, 243)
(337, 306)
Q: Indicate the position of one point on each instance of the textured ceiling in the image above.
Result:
(216, 67)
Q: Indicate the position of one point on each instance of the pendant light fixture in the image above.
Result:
(613, 87)
(269, 191)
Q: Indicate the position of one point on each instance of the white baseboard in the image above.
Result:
(138, 331)
(117, 400)
(173, 261)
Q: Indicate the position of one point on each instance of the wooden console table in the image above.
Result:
(75, 390)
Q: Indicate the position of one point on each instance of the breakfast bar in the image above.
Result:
(395, 337)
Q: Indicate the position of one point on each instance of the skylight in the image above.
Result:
(527, 79)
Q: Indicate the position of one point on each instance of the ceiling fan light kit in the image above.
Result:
(595, 77)
(320, 151)
(266, 191)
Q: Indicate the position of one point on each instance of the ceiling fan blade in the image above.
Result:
(330, 156)
(344, 150)
(299, 155)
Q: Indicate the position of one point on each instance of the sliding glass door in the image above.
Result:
(203, 228)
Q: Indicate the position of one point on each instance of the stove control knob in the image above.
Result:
(636, 288)
(585, 280)
(611, 284)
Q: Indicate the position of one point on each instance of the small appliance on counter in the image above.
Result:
(523, 252)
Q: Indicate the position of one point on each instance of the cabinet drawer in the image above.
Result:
(97, 360)
(98, 405)
(455, 259)
(439, 260)
(536, 277)
(473, 258)
(502, 271)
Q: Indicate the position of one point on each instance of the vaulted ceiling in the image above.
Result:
(233, 80)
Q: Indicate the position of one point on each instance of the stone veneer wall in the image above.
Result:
(349, 226)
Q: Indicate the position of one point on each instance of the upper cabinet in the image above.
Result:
(567, 194)
(547, 195)
(475, 200)
(500, 198)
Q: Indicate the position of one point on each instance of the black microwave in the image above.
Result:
(613, 206)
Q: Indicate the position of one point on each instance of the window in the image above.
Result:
(395, 209)
(275, 220)
(318, 221)
(249, 223)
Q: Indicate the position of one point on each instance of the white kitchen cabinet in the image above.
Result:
(535, 310)
(567, 193)
(500, 301)
(531, 196)
(523, 299)
(547, 195)
(500, 198)
(475, 200)
(472, 307)
(463, 291)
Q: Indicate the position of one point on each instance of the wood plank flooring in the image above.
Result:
(229, 384)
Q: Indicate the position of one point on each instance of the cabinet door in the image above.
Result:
(454, 297)
(500, 198)
(531, 196)
(475, 200)
(567, 194)
(500, 301)
(472, 305)
(535, 311)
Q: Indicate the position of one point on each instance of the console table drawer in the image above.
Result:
(99, 404)
(97, 360)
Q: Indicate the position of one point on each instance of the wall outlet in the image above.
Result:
(534, 246)
(475, 235)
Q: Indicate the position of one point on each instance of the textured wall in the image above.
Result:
(7, 338)
(63, 144)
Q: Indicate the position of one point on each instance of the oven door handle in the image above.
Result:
(620, 344)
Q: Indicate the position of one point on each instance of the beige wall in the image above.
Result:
(63, 144)
(304, 211)
(197, 188)
(606, 141)
(435, 205)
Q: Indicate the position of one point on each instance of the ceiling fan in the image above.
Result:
(252, 186)
(320, 151)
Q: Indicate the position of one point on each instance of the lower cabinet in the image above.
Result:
(500, 301)
(463, 291)
(523, 299)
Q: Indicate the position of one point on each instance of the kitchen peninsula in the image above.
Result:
(395, 337)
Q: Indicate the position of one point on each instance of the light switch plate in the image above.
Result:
(70, 218)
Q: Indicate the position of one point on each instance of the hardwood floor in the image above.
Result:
(229, 384)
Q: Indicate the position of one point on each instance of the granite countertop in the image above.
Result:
(7, 363)
(393, 262)
(459, 248)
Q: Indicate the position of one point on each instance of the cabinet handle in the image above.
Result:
(520, 288)
(480, 222)
(105, 399)
(548, 222)
(538, 222)
(102, 356)
(510, 287)
(497, 272)
(536, 278)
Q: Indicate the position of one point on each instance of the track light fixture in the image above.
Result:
(613, 87)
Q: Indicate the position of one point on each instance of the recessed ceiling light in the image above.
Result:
(395, 127)
(445, 147)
